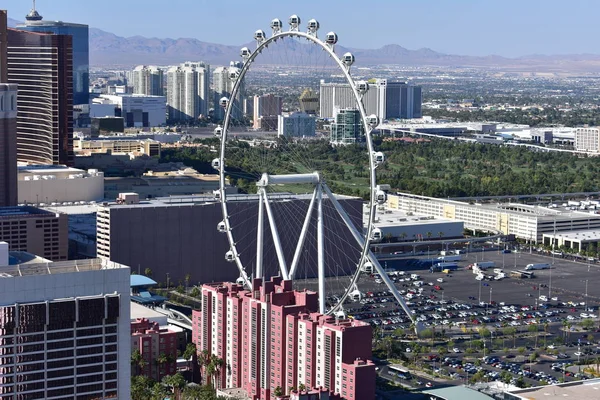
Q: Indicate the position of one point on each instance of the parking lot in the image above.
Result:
(456, 303)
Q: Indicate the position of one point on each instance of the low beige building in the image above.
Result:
(35, 231)
(51, 184)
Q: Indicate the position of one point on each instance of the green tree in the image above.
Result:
(138, 362)
(533, 328)
(141, 387)
(148, 272)
(175, 383)
(587, 324)
(188, 277)
(511, 331)
(278, 391)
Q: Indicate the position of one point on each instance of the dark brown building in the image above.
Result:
(42, 65)
(36, 231)
(8, 144)
(3, 43)
(178, 236)
(8, 126)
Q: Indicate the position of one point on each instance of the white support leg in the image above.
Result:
(259, 235)
(282, 265)
(360, 240)
(320, 250)
(302, 237)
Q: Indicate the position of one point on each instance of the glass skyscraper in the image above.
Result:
(81, 57)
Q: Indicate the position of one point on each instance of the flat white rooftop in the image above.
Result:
(140, 311)
(59, 267)
(589, 389)
(578, 236)
(48, 169)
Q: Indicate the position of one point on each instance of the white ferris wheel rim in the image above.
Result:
(372, 204)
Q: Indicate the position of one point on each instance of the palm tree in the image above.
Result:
(136, 359)
(429, 234)
(403, 236)
(161, 360)
(175, 382)
(203, 361)
(188, 277)
(219, 363)
(148, 272)
(189, 352)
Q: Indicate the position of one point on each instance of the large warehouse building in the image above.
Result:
(178, 236)
(524, 221)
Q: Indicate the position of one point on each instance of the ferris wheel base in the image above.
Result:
(419, 327)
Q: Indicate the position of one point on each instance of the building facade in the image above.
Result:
(157, 347)
(188, 88)
(58, 184)
(42, 66)
(137, 110)
(587, 139)
(267, 105)
(386, 99)
(309, 102)
(297, 124)
(148, 80)
(271, 337)
(81, 53)
(524, 221)
(64, 331)
(35, 231)
(8, 143)
(223, 81)
(118, 145)
(178, 235)
(347, 128)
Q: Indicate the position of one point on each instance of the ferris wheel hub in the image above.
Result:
(289, 179)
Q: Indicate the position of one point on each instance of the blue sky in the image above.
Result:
(470, 27)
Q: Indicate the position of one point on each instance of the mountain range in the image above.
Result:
(108, 49)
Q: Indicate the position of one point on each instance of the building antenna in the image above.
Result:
(33, 5)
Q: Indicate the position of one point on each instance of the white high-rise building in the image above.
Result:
(188, 91)
(147, 80)
(386, 99)
(223, 81)
(64, 330)
(587, 139)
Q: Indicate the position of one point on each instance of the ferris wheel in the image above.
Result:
(291, 224)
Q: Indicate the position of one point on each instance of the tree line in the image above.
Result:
(439, 168)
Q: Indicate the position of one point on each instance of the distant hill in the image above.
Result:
(12, 22)
(108, 49)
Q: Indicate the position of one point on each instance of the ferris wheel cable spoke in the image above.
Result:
(259, 235)
(275, 236)
(320, 248)
(302, 235)
(331, 232)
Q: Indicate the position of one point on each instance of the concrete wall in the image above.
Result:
(61, 190)
(450, 229)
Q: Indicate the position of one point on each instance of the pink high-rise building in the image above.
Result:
(157, 347)
(272, 337)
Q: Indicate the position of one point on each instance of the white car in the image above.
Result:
(440, 280)
(456, 350)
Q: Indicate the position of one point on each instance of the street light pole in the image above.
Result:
(586, 295)
(479, 292)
